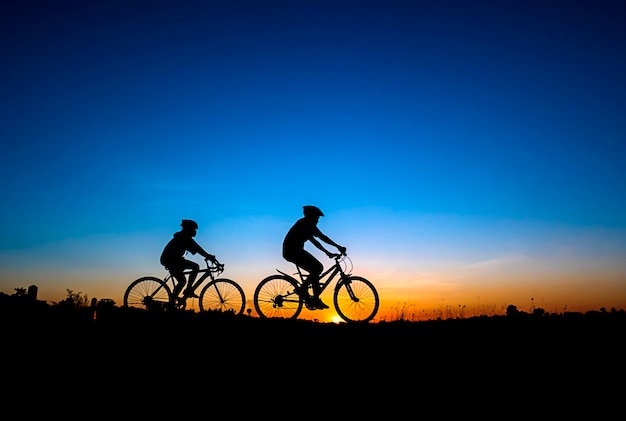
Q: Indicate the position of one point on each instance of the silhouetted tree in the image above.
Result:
(74, 300)
(538, 312)
(512, 310)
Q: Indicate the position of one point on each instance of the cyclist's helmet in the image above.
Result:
(189, 224)
(312, 211)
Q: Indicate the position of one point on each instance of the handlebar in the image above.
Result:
(217, 266)
(342, 259)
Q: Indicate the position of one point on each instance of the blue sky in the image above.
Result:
(435, 135)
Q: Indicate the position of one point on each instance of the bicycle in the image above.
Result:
(355, 298)
(152, 293)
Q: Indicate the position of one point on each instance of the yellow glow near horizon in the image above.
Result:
(405, 294)
(584, 270)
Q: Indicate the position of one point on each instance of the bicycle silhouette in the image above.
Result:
(355, 298)
(151, 293)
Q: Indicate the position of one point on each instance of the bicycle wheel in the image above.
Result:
(356, 299)
(222, 295)
(148, 293)
(275, 297)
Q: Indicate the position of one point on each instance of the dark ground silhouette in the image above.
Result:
(117, 354)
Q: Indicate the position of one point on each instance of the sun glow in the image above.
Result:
(336, 319)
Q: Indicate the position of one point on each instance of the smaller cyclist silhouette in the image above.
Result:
(172, 258)
(305, 229)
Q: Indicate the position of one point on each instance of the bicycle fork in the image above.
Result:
(348, 283)
(219, 293)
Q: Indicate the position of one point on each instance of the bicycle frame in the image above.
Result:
(354, 298)
(215, 293)
(329, 274)
(207, 272)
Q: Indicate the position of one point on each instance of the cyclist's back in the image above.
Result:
(174, 251)
(300, 232)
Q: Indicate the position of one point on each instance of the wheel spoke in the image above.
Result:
(223, 295)
(356, 300)
(147, 293)
(274, 297)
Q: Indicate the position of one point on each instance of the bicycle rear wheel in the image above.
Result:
(356, 299)
(148, 293)
(223, 295)
(274, 297)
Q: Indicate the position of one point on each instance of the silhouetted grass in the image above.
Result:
(108, 322)
(115, 355)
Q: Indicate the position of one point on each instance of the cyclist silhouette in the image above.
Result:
(305, 229)
(172, 257)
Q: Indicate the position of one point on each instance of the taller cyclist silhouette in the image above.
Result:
(305, 229)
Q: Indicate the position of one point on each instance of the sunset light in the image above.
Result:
(336, 319)
(469, 155)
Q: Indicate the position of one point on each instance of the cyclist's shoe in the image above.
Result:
(177, 304)
(302, 291)
(189, 293)
(318, 303)
(309, 303)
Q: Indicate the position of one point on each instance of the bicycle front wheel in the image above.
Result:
(222, 295)
(274, 297)
(148, 293)
(356, 299)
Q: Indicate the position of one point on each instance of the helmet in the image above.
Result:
(312, 211)
(188, 223)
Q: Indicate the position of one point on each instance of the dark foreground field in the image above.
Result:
(569, 362)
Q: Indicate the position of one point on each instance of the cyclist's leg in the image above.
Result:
(314, 267)
(179, 275)
(188, 264)
(177, 268)
(304, 260)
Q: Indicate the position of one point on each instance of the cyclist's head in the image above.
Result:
(189, 224)
(312, 211)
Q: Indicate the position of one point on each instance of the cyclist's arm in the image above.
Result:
(319, 245)
(327, 240)
(207, 256)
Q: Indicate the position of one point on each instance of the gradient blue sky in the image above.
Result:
(466, 152)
